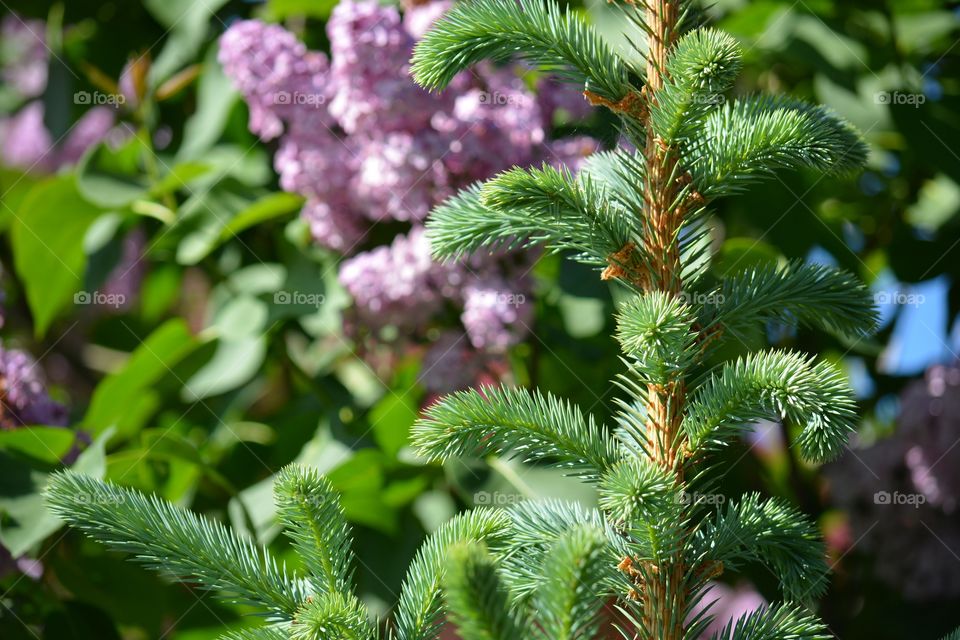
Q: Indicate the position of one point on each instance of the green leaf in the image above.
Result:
(179, 177)
(204, 216)
(117, 399)
(187, 23)
(26, 520)
(234, 363)
(46, 444)
(392, 419)
(274, 205)
(47, 239)
(112, 177)
(215, 100)
(15, 185)
(280, 10)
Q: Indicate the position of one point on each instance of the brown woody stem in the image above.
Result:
(667, 597)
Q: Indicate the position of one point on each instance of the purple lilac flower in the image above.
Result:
(29, 567)
(373, 147)
(491, 129)
(92, 127)
(122, 285)
(318, 166)
(495, 313)
(274, 72)
(24, 140)
(26, 144)
(901, 494)
(400, 175)
(572, 152)
(395, 284)
(418, 17)
(450, 364)
(372, 88)
(728, 604)
(334, 227)
(24, 55)
(558, 102)
(24, 393)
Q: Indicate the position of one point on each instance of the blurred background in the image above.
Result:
(213, 265)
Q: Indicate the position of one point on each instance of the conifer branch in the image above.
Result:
(621, 174)
(656, 331)
(774, 385)
(418, 615)
(644, 499)
(176, 542)
(504, 420)
(640, 215)
(637, 493)
(539, 32)
(476, 597)
(522, 208)
(701, 67)
(769, 532)
(775, 623)
(808, 294)
(535, 528)
(568, 602)
(332, 616)
(262, 633)
(749, 139)
(310, 512)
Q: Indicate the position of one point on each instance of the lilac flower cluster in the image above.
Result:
(24, 55)
(902, 494)
(364, 145)
(23, 392)
(725, 604)
(25, 142)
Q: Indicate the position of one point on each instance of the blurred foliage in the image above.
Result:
(212, 380)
